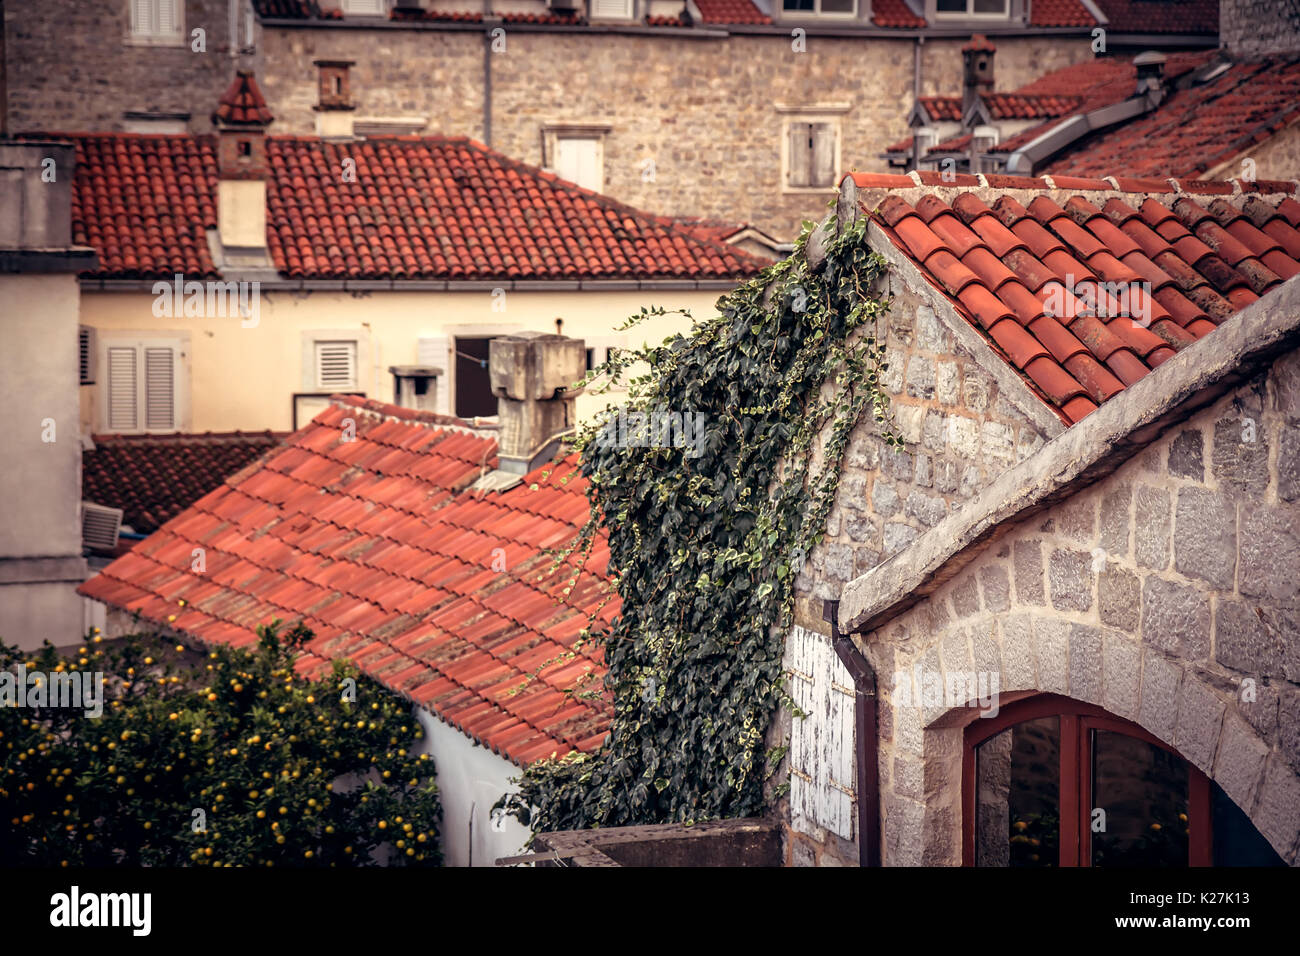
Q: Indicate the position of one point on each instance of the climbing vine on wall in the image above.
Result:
(706, 540)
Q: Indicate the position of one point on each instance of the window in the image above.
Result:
(158, 22)
(611, 9)
(812, 154)
(336, 365)
(473, 385)
(829, 8)
(580, 160)
(365, 8)
(1054, 782)
(143, 385)
(972, 8)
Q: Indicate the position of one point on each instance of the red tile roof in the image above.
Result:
(430, 208)
(242, 103)
(1200, 17)
(731, 11)
(1020, 258)
(152, 478)
(376, 545)
(895, 14)
(1060, 13)
(1016, 105)
(1198, 128)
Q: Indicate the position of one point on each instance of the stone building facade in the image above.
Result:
(691, 122)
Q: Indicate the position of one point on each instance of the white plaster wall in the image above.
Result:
(470, 780)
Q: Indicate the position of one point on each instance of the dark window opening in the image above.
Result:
(474, 396)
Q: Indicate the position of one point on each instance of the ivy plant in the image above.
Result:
(707, 539)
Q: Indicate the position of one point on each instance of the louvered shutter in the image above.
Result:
(167, 20)
(611, 9)
(122, 388)
(86, 354)
(160, 388)
(364, 7)
(336, 365)
(800, 154)
(142, 17)
(823, 154)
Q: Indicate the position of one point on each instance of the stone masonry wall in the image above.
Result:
(1255, 27)
(708, 113)
(1167, 593)
(72, 69)
(961, 428)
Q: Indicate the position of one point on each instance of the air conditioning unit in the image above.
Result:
(100, 526)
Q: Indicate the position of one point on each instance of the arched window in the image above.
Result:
(1052, 781)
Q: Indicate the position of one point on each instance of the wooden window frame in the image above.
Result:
(829, 114)
(1077, 721)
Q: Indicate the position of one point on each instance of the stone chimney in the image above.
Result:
(1150, 75)
(241, 120)
(532, 374)
(334, 104)
(977, 70)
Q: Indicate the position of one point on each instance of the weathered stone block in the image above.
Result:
(1200, 716)
(1028, 441)
(864, 559)
(1085, 663)
(863, 453)
(1028, 568)
(909, 776)
(925, 509)
(1052, 646)
(1071, 580)
(1114, 519)
(898, 536)
(1244, 642)
(946, 383)
(839, 563)
(1151, 528)
(946, 476)
(919, 380)
(1019, 657)
(996, 585)
(1257, 704)
(970, 481)
(896, 464)
(1077, 518)
(1288, 461)
(909, 419)
(998, 443)
(1119, 598)
(1288, 724)
(975, 394)
(1205, 546)
(965, 598)
(931, 336)
(1239, 764)
(1175, 618)
(963, 437)
(1122, 674)
(1275, 815)
(1270, 554)
(884, 498)
(1186, 455)
(923, 467)
(1239, 459)
(1158, 711)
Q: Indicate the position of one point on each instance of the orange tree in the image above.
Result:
(232, 760)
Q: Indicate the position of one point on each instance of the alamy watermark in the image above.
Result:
(211, 298)
(657, 429)
(59, 689)
(1105, 300)
(955, 689)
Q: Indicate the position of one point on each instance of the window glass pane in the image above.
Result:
(1142, 790)
(1018, 796)
(950, 6)
(799, 4)
(1236, 841)
(838, 6)
(990, 6)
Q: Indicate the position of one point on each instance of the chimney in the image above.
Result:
(977, 71)
(334, 104)
(241, 120)
(532, 376)
(1150, 76)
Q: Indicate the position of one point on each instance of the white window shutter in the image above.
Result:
(160, 388)
(800, 154)
(122, 389)
(823, 154)
(142, 17)
(823, 780)
(364, 7)
(336, 365)
(167, 19)
(611, 9)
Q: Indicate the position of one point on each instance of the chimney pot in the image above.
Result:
(334, 104)
(532, 375)
(1150, 74)
(977, 70)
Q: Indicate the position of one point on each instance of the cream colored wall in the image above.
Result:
(243, 378)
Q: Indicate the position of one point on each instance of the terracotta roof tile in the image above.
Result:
(426, 208)
(895, 14)
(731, 11)
(1084, 295)
(393, 569)
(243, 104)
(1200, 17)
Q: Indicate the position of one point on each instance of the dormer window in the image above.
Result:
(825, 8)
(973, 8)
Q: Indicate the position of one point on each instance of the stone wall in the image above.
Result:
(708, 112)
(72, 68)
(964, 419)
(1255, 27)
(1277, 157)
(1166, 593)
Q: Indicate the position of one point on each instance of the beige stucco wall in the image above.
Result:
(244, 378)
